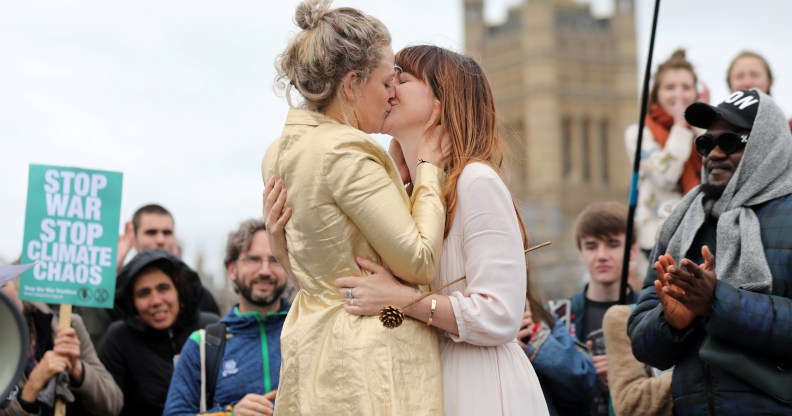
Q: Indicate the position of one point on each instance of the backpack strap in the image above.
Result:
(202, 350)
(215, 339)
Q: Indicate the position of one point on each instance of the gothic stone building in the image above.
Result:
(565, 87)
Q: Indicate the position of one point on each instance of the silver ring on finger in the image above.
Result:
(352, 301)
(349, 293)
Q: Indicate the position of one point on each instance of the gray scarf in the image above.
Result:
(763, 174)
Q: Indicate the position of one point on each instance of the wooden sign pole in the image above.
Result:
(64, 321)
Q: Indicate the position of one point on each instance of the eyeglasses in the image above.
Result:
(729, 142)
(397, 73)
(255, 262)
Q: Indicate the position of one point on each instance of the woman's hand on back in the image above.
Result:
(276, 217)
(371, 293)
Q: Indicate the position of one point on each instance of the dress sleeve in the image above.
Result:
(98, 391)
(490, 310)
(409, 243)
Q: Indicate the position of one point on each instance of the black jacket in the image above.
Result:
(140, 358)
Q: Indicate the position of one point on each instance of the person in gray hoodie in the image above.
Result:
(724, 268)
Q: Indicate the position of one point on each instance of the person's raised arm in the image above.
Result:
(125, 243)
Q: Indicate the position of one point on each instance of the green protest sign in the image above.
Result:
(71, 231)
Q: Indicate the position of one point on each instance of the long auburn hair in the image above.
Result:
(467, 114)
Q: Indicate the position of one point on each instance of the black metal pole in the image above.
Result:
(637, 163)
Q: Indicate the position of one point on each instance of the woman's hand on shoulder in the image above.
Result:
(367, 295)
(436, 144)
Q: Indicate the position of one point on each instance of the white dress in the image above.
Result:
(485, 372)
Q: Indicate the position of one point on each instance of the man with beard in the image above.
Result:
(724, 264)
(248, 372)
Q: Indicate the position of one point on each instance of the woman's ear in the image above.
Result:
(347, 83)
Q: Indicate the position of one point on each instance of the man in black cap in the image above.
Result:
(723, 269)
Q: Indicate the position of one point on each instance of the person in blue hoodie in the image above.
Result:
(248, 375)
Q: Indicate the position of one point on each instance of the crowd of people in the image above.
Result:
(429, 229)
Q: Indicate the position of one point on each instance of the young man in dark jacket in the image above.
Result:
(601, 233)
(725, 264)
(248, 374)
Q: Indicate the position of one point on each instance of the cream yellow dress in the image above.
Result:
(348, 201)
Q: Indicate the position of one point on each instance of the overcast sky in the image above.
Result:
(178, 95)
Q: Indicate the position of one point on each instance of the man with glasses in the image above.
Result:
(247, 376)
(723, 267)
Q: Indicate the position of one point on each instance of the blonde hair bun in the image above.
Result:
(309, 13)
(332, 43)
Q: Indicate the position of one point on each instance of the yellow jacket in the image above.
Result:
(348, 200)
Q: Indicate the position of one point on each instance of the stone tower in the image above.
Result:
(565, 87)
